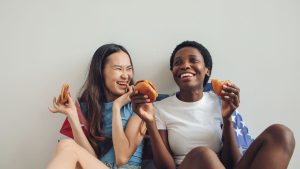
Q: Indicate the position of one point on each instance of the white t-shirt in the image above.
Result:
(190, 124)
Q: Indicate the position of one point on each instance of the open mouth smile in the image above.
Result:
(186, 75)
(123, 84)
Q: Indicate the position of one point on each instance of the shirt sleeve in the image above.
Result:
(160, 122)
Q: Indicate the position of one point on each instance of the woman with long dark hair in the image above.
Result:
(115, 131)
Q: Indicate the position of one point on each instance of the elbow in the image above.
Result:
(121, 161)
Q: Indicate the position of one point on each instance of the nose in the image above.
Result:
(124, 75)
(185, 65)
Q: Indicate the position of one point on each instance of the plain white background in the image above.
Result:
(44, 44)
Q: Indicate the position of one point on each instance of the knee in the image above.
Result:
(66, 144)
(201, 157)
(201, 152)
(283, 136)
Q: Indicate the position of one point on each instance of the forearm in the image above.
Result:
(121, 143)
(161, 156)
(230, 151)
(79, 136)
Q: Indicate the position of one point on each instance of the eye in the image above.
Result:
(117, 68)
(129, 68)
(194, 60)
(177, 62)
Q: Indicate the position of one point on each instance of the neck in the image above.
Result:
(190, 95)
(110, 97)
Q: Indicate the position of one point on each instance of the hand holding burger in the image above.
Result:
(147, 88)
(217, 85)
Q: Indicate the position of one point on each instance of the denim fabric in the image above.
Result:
(125, 166)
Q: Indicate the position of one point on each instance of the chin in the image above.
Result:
(121, 91)
(184, 83)
(188, 86)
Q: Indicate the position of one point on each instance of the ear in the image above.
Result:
(171, 69)
(207, 71)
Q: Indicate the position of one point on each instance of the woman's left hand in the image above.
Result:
(230, 96)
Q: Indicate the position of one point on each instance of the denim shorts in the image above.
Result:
(125, 166)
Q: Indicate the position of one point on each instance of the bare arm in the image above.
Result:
(159, 139)
(71, 112)
(125, 143)
(79, 136)
(230, 101)
(230, 152)
(160, 147)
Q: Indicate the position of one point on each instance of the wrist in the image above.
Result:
(72, 116)
(226, 116)
(116, 108)
(227, 121)
(116, 105)
(151, 125)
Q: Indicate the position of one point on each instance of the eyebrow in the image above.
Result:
(119, 66)
(176, 57)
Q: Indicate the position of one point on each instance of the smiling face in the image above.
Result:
(117, 73)
(189, 69)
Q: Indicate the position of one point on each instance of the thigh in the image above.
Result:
(201, 158)
(268, 150)
(85, 160)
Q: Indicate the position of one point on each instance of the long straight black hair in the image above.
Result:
(93, 95)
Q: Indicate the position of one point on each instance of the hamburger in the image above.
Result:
(63, 97)
(147, 88)
(217, 85)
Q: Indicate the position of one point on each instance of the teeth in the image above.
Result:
(186, 75)
(122, 83)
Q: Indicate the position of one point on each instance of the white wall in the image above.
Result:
(46, 43)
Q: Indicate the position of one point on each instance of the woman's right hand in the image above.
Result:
(67, 109)
(123, 99)
(142, 107)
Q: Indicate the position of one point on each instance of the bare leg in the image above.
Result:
(69, 155)
(201, 158)
(272, 149)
